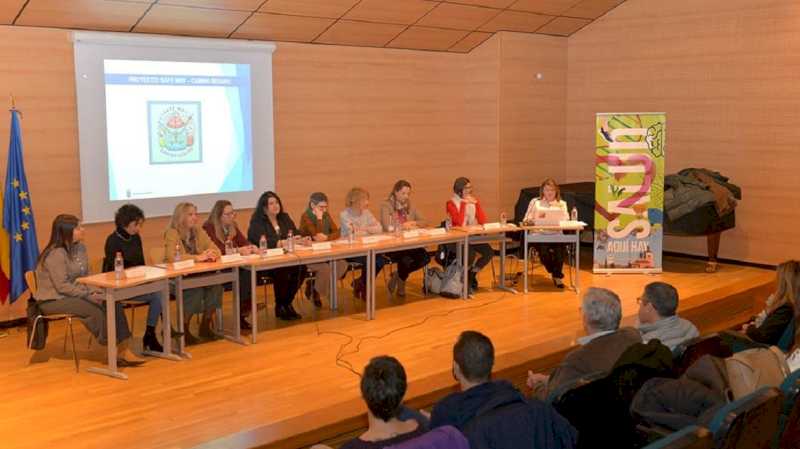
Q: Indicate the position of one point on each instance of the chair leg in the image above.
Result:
(494, 274)
(33, 332)
(74, 348)
(133, 317)
(66, 331)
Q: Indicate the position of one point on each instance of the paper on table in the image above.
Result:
(143, 271)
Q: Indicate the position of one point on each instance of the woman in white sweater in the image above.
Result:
(358, 220)
(551, 254)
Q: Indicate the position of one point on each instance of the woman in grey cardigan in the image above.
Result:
(61, 262)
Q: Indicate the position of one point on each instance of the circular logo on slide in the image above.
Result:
(176, 131)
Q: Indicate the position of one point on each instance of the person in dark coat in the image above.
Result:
(271, 222)
(494, 414)
(599, 350)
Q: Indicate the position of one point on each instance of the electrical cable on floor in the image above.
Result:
(342, 353)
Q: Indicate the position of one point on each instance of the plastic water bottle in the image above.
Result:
(177, 252)
(228, 247)
(351, 233)
(503, 218)
(262, 245)
(448, 223)
(573, 215)
(290, 242)
(398, 228)
(119, 266)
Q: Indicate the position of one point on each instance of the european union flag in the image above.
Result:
(18, 214)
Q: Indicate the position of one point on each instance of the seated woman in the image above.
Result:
(185, 237)
(398, 211)
(318, 225)
(125, 240)
(465, 210)
(269, 220)
(358, 220)
(61, 262)
(222, 229)
(782, 307)
(551, 254)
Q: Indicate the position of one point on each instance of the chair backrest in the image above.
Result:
(558, 393)
(690, 437)
(789, 436)
(749, 422)
(30, 279)
(689, 352)
(157, 254)
(445, 437)
(787, 339)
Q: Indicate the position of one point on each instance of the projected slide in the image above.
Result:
(177, 128)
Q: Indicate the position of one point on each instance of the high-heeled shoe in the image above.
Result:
(558, 282)
(125, 363)
(150, 342)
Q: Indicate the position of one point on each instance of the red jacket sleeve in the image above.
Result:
(456, 214)
(479, 214)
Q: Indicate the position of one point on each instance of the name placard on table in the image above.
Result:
(411, 234)
(231, 258)
(183, 264)
(436, 231)
(488, 226)
(273, 252)
(321, 246)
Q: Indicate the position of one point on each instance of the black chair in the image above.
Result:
(750, 422)
(30, 278)
(691, 437)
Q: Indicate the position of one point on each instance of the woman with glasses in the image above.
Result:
(224, 232)
(317, 224)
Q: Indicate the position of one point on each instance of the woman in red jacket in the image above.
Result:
(465, 210)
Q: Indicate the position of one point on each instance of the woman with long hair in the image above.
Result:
(223, 231)
(551, 254)
(782, 308)
(398, 212)
(270, 221)
(60, 264)
(186, 238)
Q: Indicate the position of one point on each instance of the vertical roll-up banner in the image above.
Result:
(629, 192)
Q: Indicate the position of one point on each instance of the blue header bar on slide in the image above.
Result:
(176, 80)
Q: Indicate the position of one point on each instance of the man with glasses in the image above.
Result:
(658, 306)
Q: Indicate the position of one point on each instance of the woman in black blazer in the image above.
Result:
(271, 221)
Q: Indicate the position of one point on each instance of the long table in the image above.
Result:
(121, 289)
(202, 274)
(554, 234)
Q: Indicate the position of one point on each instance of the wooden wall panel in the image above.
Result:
(725, 72)
(344, 116)
(532, 112)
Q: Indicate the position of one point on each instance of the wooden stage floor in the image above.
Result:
(294, 387)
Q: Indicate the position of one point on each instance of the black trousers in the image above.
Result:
(286, 281)
(552, 257)
(245, 292)
(480, 255)
(409, 261)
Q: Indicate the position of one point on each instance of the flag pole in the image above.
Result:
(14, 105)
